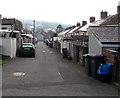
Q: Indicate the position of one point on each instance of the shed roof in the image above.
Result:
(106, 33)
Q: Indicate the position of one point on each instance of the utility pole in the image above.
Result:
(34, 32)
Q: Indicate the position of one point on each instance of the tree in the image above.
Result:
(55, 34)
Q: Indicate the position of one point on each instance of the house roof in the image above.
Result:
(106, 34)
(112, 20)
(8, 21)
(95, 23)
(74, 29)
(84, 28)
(64, 32)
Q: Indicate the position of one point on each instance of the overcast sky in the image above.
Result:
(64, 11)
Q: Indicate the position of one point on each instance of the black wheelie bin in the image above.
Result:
(95, 60)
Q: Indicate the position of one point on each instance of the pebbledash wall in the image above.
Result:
(8, 46)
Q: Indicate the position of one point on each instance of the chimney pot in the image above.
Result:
(84, 23)
(103, 14)
(0, 16)
(78, 24)
(92, 19)
(118, 7)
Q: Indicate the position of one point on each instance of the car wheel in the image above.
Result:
(33, 55)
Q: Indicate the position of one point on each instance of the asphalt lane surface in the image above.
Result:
(48, 74)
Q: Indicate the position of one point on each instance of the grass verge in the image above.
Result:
(2, 63)
(4, 60)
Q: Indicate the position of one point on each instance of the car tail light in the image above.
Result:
(33, 49)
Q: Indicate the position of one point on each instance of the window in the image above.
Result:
(4, 28)
(27, 46)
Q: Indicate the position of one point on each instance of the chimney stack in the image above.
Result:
(118, 7)
(0, 16)
(84, 23)
(92, 19)
(103, 15)
(78, 24)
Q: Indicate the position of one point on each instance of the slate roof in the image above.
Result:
(106, 34)
(64, 32)
(6, 21)
(95, 23)
(112, 20)
(84, 28)
(74, 29)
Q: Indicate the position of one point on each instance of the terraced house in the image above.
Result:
(10, 32)
(96, 37)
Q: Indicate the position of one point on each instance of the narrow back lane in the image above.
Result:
(49, 74)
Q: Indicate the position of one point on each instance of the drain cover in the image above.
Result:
(18, 74)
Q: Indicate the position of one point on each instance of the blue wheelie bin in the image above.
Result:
(105, 72)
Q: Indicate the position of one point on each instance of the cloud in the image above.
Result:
(66, 11)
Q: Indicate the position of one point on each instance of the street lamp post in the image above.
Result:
(34, 32)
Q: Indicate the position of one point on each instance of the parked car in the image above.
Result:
(27, 49)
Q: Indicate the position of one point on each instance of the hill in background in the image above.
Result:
(42, 24)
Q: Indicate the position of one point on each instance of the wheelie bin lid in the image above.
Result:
(86, 54)
(97, 55)
(93, 55)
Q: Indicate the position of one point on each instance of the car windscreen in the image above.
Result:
(27, 46)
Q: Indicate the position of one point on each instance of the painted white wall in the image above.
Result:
(6, 26)
(64, 44)
(95, 46)
(61, 43)
(8, 46)
(55, 38)
(0, 24)
(71, 49)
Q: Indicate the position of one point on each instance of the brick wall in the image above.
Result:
(112, 57)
